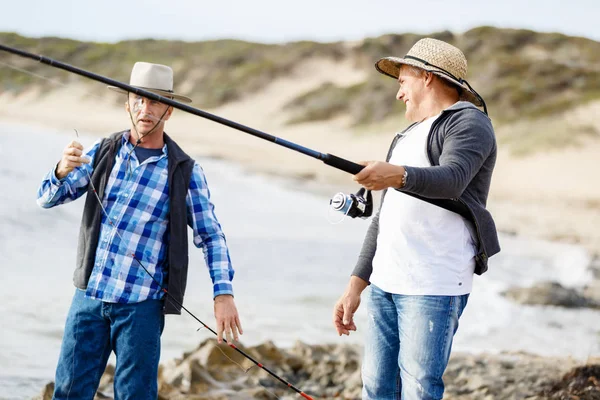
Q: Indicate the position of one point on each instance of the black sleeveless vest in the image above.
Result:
(180, 167)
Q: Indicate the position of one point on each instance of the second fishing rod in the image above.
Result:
(329, 159)
(357, 205)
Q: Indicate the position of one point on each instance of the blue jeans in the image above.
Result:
(94, 329)
(408, 344)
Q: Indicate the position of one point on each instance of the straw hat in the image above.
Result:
(438, 57)
(155, 78)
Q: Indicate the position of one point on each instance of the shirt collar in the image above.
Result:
(125, 142)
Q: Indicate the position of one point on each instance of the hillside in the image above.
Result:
(542, 90)
(521, 74)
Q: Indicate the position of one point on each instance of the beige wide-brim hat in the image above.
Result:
(438, 57)
(155, 78)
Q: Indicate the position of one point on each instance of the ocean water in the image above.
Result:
(291, 265)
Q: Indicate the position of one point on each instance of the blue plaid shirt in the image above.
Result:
(137, 200)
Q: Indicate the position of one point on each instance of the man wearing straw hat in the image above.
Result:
(432, 231)
(148, 190)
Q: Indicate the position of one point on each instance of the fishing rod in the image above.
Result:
(233, 346)
(178, 303)
(329, 159)
(356, 204)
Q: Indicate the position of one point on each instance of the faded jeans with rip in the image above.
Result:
(408, 344)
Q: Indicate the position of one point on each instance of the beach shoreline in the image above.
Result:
(317, 185)
(546, 195)
(326, 371)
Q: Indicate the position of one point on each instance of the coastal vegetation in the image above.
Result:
(522, 74)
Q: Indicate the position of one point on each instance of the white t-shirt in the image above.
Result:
(422, 249)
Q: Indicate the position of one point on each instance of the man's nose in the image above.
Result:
(399, 95)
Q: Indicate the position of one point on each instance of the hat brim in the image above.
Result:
(390, 66)
(163, 93)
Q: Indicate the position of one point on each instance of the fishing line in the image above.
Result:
(331, 208)
(55, 81)
(51, 80)
(176, 302)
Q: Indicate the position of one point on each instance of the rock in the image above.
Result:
(268, 351)
(178, 377)
(212, 355)
(581, 383)
(46, 393)
(595, 267)
(333, 372)
(592, 291)
(105, 388)
(550, 293)
(501, 376)
(166, 391)
(474, 383)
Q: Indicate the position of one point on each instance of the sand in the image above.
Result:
(552, 195)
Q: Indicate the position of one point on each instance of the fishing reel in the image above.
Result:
(354, 205)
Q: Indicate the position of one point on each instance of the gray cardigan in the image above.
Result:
(461, 147)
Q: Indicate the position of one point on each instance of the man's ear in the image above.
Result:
(428, 78)
(168, 114)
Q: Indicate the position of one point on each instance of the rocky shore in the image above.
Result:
(217, 372)
(329, 371)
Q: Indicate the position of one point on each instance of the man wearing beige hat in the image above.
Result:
(142, 193)
(432, 231)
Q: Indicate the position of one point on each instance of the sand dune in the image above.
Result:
(549, 194)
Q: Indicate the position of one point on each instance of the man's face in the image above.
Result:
(146, 113)
(412, 91)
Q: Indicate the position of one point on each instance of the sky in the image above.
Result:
(280, 21)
